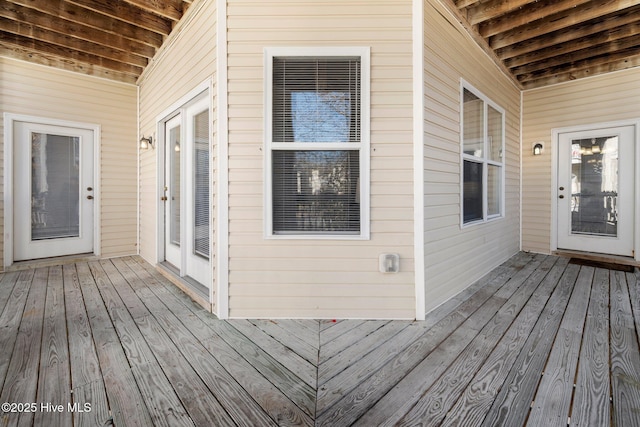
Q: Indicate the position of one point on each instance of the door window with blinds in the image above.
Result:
(317, 142)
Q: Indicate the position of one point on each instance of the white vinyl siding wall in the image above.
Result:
(321, 278)
(186, 61)
(47, 92)
(600, 99)
(454, 256)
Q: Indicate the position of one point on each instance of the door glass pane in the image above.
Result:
(594, 186)
(201, 184)
(55, 186)
(174, 186)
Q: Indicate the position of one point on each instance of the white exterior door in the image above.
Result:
(53, 191)
(187, 219)
(596, 191)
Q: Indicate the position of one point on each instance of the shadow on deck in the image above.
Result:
(539, 341)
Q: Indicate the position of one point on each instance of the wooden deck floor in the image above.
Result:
(538, 342)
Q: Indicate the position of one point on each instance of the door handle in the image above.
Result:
(90, 197)
(561, 188)
(89, 188)
(561, 196)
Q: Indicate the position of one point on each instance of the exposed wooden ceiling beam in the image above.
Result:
(603, 50)
(606, 24)
(171, 9)
(28, 55)
(31, 31)
(52, 50)
(617, 38)
(559, 21)
(493, 9)
(128, 13)
(569, 75)
(70, 12)
(43, 20)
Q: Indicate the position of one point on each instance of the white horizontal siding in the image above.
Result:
(455, 257)
(186, 60)
(599, 99)
(339, 278)
(51, 93)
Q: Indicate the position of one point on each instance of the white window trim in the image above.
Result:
(363, 146)
(487, 102)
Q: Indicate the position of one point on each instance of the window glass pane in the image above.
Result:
(55, 186)
(316, 99)
(472, 192)
(201, 184)
(494, 134)
(473, 134)
(493, 189)
(316, 192)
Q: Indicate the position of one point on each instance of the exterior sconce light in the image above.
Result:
(537, 148)
(146, 142)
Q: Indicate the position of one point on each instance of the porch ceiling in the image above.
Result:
(542, 42)
(536, 42)
(106, 38)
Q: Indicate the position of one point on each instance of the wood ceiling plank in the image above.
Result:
(171, 9)
(593, 50)
(592, 41)
(606, 63)
(492, 9)
(74, 13)
(128, 13)
(54, 51)
(466, 3)
(628, 17)
(594, 70)
(560, 21)
(22, 54)
(73, 29)
(31, 31)
(538, 14)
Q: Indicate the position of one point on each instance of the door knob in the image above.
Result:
(561, 188)
(561, 196)
(89, 188)
(90, 197)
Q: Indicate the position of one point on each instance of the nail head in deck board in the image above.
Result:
(625, 355)
(591, 405)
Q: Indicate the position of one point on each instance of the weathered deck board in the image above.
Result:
(591, 406)
(118, 335)
(625, 355)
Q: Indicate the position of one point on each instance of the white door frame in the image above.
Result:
(554, 176)
(180, 107)
(9, 120)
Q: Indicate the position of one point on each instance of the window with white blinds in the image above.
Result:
(201, 183)
(316, 153)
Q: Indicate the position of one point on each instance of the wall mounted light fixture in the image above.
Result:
(146, 142)
(537, 148)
